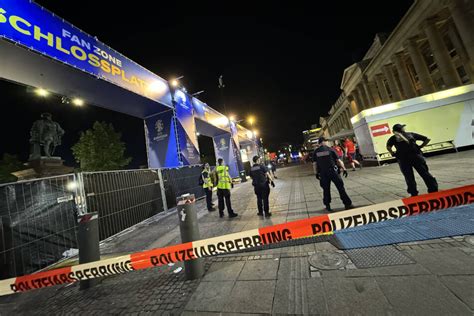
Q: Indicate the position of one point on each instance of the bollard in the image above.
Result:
(188, 226)
(88, 238)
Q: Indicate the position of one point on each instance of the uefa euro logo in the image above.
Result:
(223, 142)
(159, 126)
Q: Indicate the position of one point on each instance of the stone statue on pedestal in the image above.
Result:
(46, 134)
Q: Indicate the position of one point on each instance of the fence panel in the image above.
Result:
(182, 180)
(38, 221)
(122, 198)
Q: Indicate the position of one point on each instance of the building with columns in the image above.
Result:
(431, 49)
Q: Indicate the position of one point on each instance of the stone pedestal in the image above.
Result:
(44, 167)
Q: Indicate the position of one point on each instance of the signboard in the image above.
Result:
(379, 130)
(188, 143)
(161, 140)
(28, 24)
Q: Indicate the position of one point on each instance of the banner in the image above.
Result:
(188, 143)
(224, 148)
(318, 225)
(28, 24)
(160, 133)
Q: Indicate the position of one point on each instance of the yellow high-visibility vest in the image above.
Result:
(224, 178)
(207, 181)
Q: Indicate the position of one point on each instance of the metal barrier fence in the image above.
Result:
(38, 218)
(37, 224)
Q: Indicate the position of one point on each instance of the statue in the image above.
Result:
(47, 134)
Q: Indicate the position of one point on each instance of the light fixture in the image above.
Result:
(78, 102)
(255, 132)
(251, 120)
(42, 92)
(197, 133)
(232, 118)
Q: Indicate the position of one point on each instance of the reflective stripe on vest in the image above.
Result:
(207, 182)
(224, 178)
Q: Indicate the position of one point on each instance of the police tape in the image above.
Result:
(319, 225)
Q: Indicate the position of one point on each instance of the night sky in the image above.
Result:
(281, 63)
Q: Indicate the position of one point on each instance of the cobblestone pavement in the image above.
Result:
(282, 280)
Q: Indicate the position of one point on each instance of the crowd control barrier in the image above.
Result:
(318, 225)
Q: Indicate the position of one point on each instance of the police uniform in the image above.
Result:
(326, 158)
(409, 156)
(258, 173)
(224, 185)
(207, 186)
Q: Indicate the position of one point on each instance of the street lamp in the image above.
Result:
(42, 92)
(175, 81)
(251, 120)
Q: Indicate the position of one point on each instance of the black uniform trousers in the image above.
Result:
(419, 163)
(262, 192)
(208, 198)
(224, 194)
(327, 177)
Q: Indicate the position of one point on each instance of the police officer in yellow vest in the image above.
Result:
(224, 184)
(207, 185)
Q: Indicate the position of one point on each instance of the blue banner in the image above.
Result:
(188, 143)
(223, 146)
(161, 140)
(28, 24)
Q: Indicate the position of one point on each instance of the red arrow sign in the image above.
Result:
(379, 130)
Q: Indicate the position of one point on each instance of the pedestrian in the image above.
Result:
(207, 185)
(273, 168)
(327, 164)
(261, 178)
(338, 149)
(409, 156)
(350, 149)
(224, 184)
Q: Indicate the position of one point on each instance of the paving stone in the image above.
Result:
(444, 261)
(355, 296)
(210, 296)
(224, 271)
(251, 297)
(421, 295)
(293, 268)
(259, 270)
(299, 296)
(462, 287)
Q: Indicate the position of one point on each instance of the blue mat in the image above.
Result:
(450, 222)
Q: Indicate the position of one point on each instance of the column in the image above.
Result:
(381, 88)
(374, 93)
(348, 118)
(441, 55)
(370, 100)
(358, 103)
(422, 71)
(348, 113)
(352, 104)
(362, 97)
(405, 78)
(464, 24)
(388, 73)
(468, 66)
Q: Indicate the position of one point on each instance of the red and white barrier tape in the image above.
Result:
(318, 225)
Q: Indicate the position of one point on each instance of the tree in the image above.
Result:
(9, 164)
(100, 148)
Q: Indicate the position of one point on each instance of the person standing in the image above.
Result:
(207, 185)
(224, 184)
(351, 153)
(327, 164)
(338, 149)
(409, 156)
(260, 181)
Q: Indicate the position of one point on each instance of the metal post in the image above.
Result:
(88, 239)
(163, 191)
(188, 226)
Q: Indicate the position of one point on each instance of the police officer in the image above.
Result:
(327, 163)
(409, 156)
(207, 185)
(224, 184)
(260, 180)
